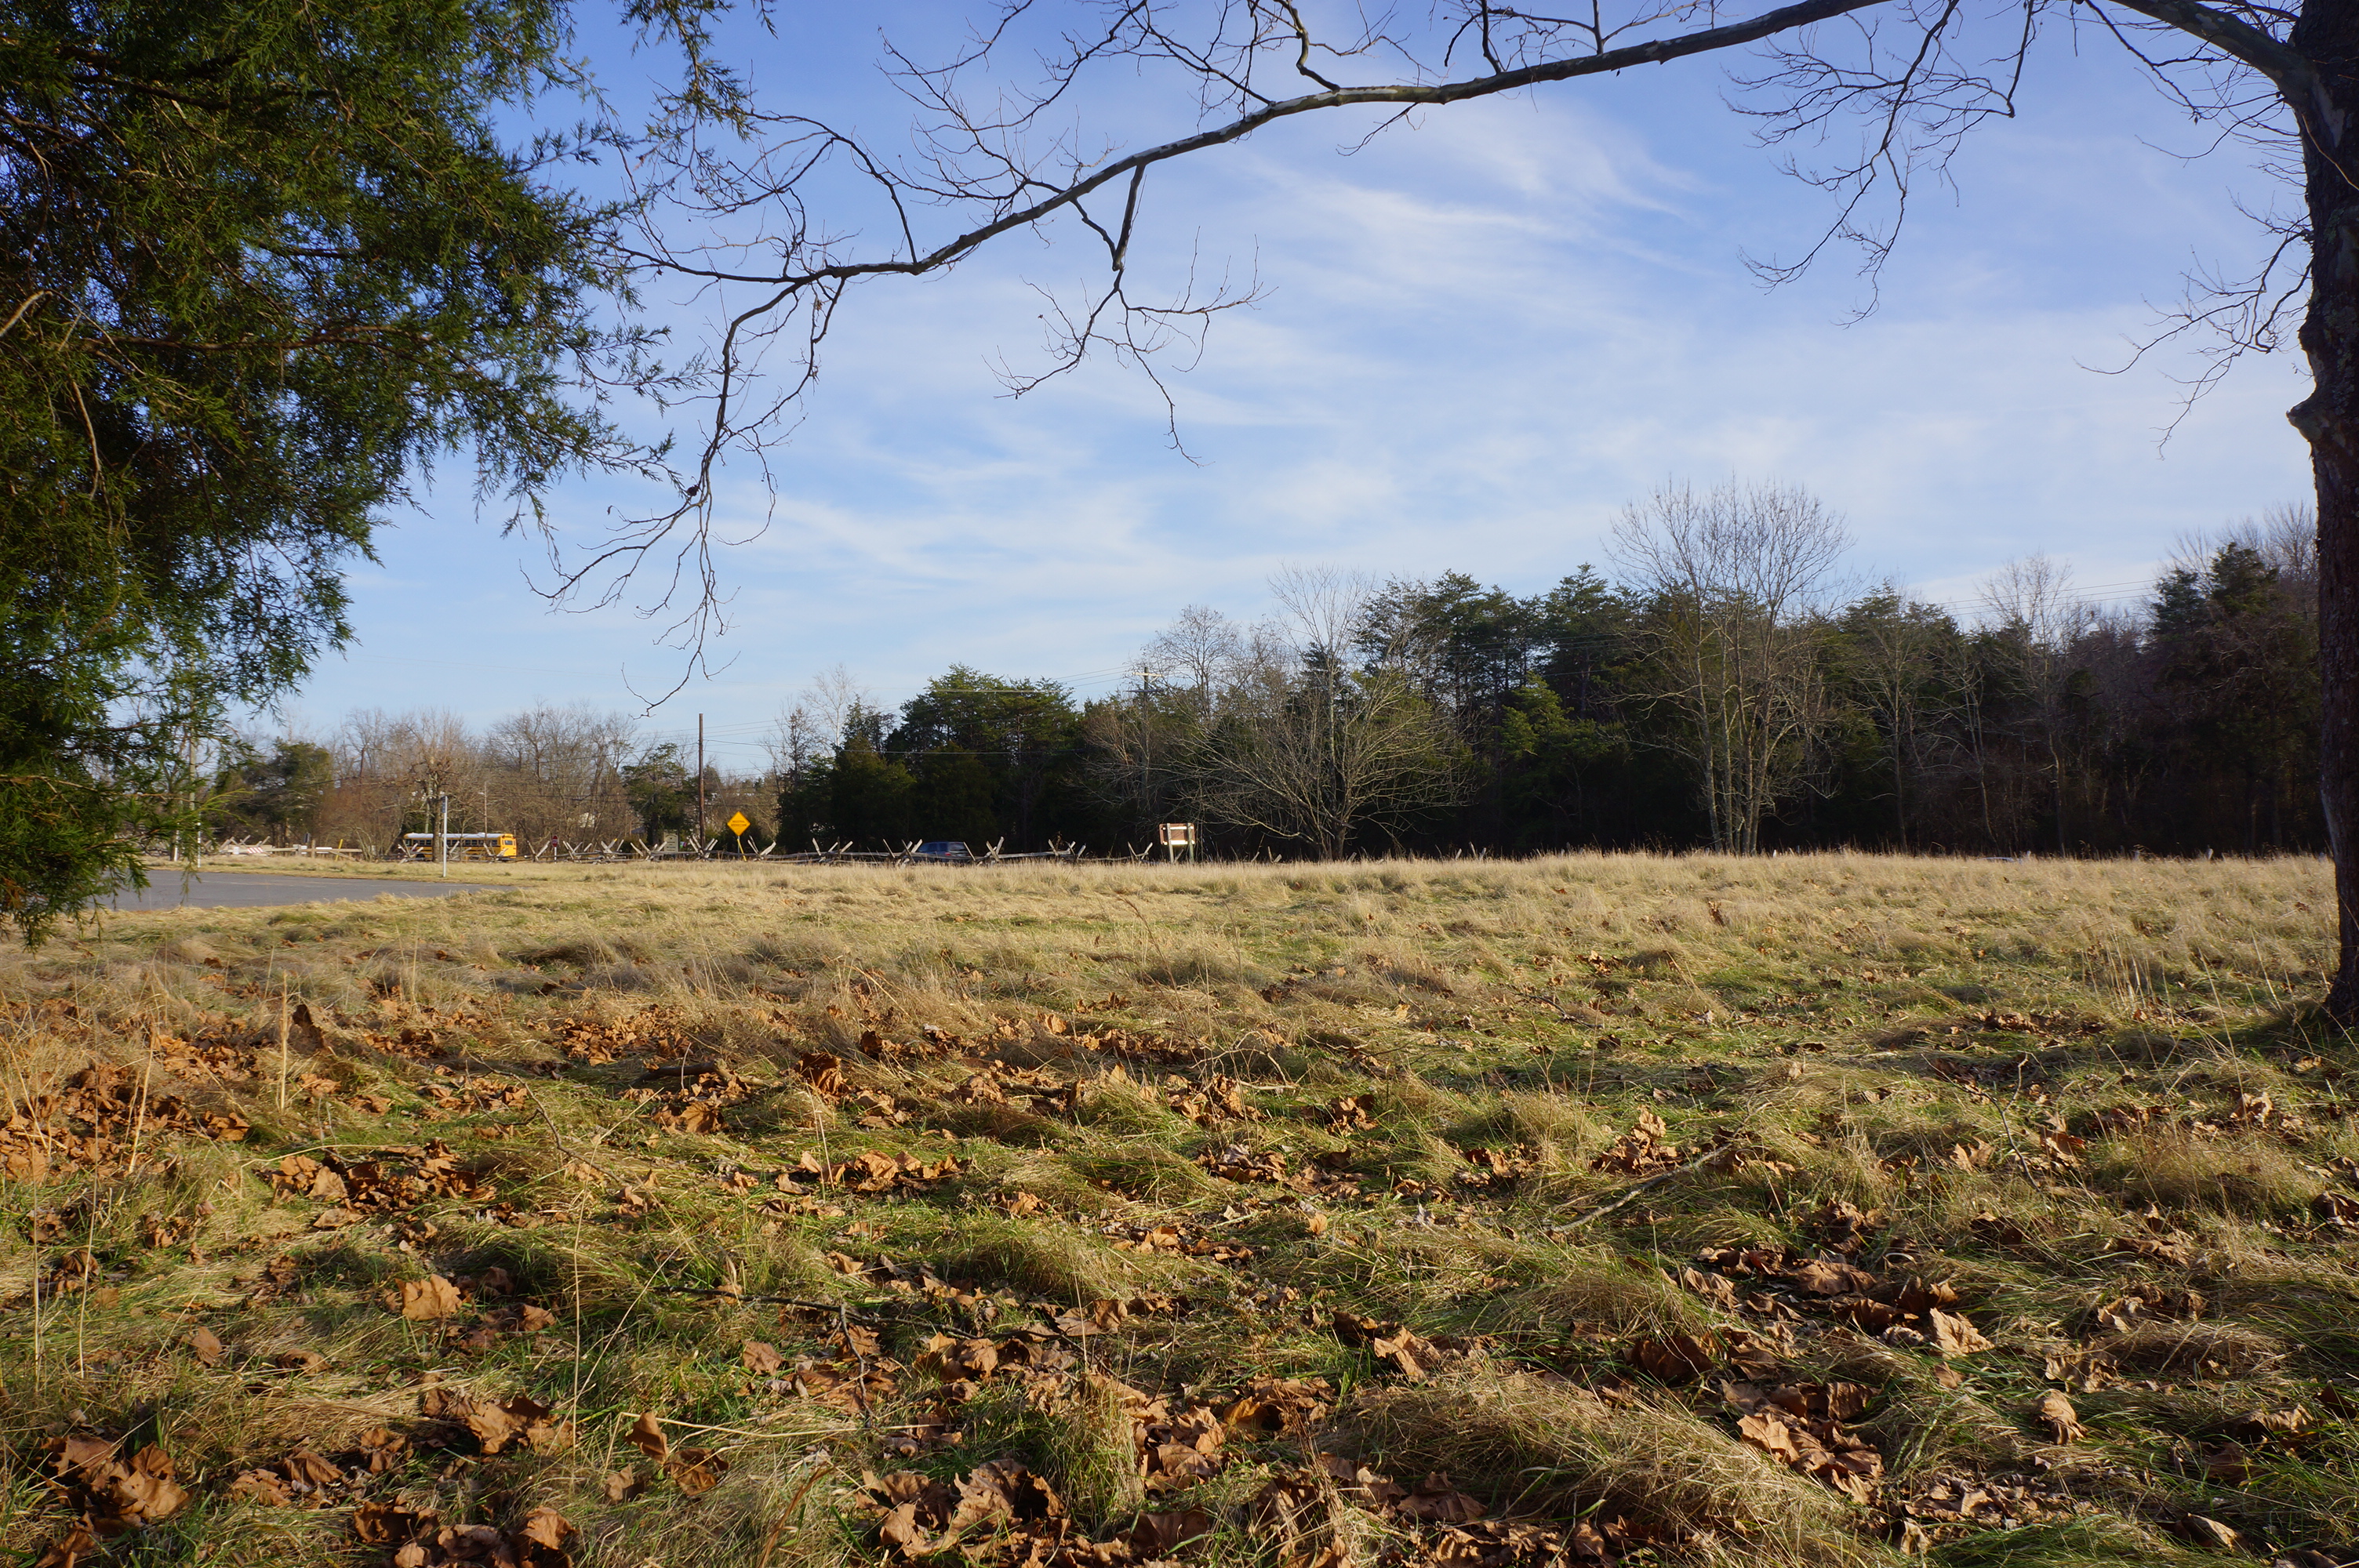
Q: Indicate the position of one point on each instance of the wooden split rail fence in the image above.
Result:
(847, 853)
(598, 852)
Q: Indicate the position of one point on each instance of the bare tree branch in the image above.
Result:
(973, 157)
(731, 188)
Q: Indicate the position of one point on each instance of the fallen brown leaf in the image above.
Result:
(1160, 1535)
(382, 1524)
(1954, 1336)
(308, 1469)
(1436, 1502)
(521, 1417)
(2227, 1465)
(696, 1471)
(647, 1435)
(2279, 1423)
(2210, 1532)
(1674, 1358)
(545, 1527)
(1713, 1288)
(116, 1494)
(2062, 1421)
(425, 1300)
(71, 1550)
(264, 1486)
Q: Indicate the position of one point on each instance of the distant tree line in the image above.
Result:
(572, 773)
(1724, 690)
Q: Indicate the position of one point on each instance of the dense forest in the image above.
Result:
(1713, 694)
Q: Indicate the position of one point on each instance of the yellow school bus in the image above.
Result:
(463, 845)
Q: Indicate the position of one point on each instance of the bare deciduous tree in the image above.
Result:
(1301, 746)
(1896, 651)
(1737, 574)
(1143, 746)
(557, 771)
(814, 726)
(2039, 621)
(2285, 536)
(544, 771)
(833, 695)
(1197, 651)
(1317, 762)
(1320, 609)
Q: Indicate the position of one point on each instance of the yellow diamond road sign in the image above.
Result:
(737, 823)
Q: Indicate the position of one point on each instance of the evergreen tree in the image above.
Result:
(662, 791)
(260, 263)
(278, 792)
(2238, 654)
(1024, 736)
(869, 794)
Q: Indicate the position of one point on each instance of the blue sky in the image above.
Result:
(1479, 339)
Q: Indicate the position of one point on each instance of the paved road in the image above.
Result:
(248, 890)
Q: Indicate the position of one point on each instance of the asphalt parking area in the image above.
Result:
(245, 890)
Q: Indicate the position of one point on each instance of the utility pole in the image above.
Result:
(700, 784)
(442, 833)
(188, 771)
(1145, 739)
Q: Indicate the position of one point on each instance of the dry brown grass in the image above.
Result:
(2054, 1088)
(1555, 1450)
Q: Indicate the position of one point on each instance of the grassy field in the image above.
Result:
(1830, 1210)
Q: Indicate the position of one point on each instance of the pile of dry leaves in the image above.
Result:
(396, 1178)
(654, 1034)
(110, 1493)
(1903, 1309)
(873, 1172)
(1412, 1357)
(1643, 1149)
(1296, 1515)
(689, 1096)
(421, 1540)
(307, 1480)
(96, 1120)
(1801, 1425)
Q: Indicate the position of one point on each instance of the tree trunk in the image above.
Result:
(1899, 800)
(2328, 34)
(2056, 762)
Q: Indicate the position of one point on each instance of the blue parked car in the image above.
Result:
(950, 851)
